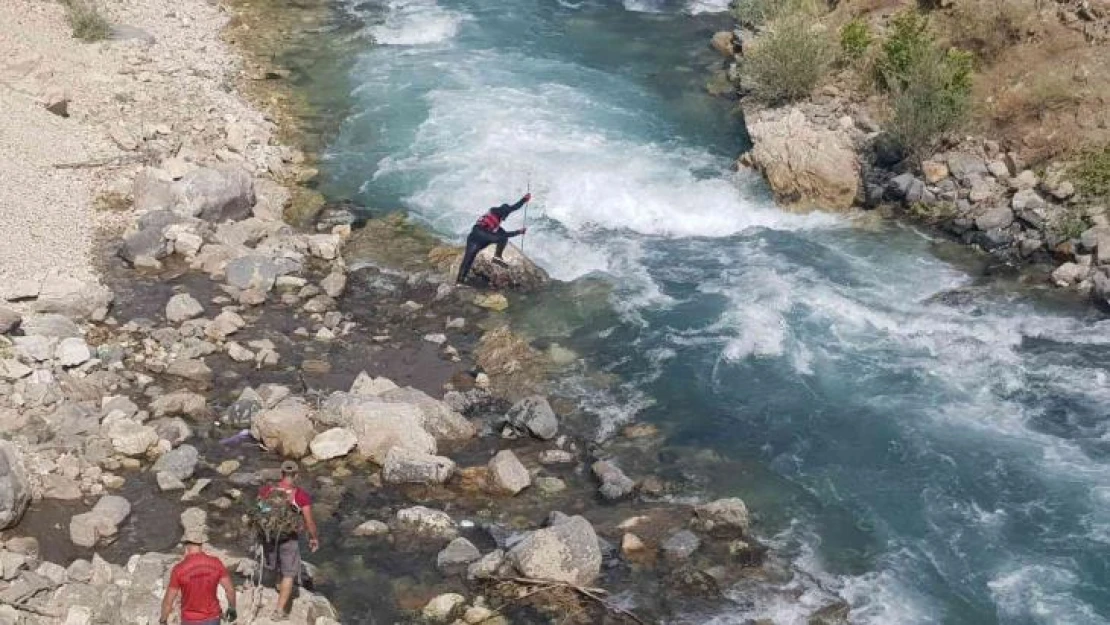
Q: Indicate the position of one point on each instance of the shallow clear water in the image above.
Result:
(934, 457)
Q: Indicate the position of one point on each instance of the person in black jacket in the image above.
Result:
(488, 231)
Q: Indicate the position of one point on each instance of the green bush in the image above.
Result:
(930, 87)
(908, 42)
(855, 39)
(756, 13)
(87, 23)
(931, 98)
(1092, 173)
(786, 62)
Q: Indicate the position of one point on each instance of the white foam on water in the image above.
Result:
(1041, 593)
(696, 7)
(416, 23)
(644, 6)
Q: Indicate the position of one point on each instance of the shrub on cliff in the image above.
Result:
(1092, 173)
(909, 40)
(930, 87)
(756, 13)
(933, 100)
(87, 23)
(855, 39)
(786, 62)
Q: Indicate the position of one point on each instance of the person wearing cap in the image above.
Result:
(488, 231)
(285, 555)
(195, 579)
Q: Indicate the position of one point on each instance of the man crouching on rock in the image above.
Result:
(196, 578)
(284, 510)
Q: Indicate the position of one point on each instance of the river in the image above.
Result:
(933, 449)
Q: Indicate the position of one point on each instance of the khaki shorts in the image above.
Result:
(286, 558)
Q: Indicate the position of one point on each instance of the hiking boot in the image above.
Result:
(500, 261)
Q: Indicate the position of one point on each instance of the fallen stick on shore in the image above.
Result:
(112, 161)
(544, 585)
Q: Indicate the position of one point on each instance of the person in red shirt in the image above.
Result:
(195, 579)
(284, 554)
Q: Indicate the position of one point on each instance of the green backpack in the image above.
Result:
(276, 517)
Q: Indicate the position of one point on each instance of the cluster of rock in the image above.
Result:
(566, 549)
(827, 152)
(94, 591)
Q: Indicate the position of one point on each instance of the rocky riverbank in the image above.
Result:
(1018, 181)
(156, 382)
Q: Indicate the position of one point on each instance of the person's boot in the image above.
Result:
(500, 261)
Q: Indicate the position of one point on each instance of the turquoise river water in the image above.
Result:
(932, 449)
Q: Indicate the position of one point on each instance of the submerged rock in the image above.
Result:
(457, 553)
(614, 483)
(723, 516)
(681, 545)
(443, 608)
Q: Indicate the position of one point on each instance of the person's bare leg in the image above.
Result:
(285, 592)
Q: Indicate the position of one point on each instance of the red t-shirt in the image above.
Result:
(197, 576)
(300, 496)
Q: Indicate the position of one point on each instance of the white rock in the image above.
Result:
(72, 352)
(442, 608)
(371, 528)
(333, 443)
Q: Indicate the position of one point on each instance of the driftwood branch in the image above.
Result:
(594, 594)
(111, 161)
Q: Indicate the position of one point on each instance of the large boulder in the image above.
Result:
(806, 165)
(535, 416)
(566, 552)
(100, 523)
(285, 428)
(215, 194)
(518, 272)
(380, 426)
(438, 419)
(403, 466)
(15, 491)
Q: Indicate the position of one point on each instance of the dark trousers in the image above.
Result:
(477, 241)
